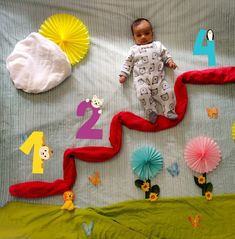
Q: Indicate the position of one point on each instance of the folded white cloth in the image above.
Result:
(37, 64)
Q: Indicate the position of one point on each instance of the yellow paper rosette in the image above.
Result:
(70, 33)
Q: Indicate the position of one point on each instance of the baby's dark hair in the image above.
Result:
(137, 22)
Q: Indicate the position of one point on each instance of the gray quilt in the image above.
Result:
(176, 24)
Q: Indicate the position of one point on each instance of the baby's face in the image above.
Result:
(142, 33)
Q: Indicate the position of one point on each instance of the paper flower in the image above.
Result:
(146, 162)
(145, 186)
(69, 33)
(202, 154)
(201, 179)
(233, 131)
(153, 197)
(208, 196)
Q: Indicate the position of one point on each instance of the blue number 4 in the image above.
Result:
(209, 49)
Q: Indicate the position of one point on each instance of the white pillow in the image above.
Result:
(37, 64)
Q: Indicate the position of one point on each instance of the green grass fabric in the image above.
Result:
(166, 218)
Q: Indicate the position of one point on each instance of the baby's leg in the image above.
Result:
(166, 97)
(144, 95)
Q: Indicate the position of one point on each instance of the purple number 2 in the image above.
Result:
(86, 131)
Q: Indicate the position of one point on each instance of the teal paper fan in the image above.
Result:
(146, 162)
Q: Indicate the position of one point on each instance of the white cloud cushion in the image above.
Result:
(37, 64)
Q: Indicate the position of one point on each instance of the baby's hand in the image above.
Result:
(172, 64)
(122, 79)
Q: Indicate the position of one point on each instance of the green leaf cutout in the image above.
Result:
(147, 194)
(204, 190)
(155, 189)
(149, 181)
(139, 183)
(209, 187)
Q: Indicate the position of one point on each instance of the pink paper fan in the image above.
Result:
(202, 154)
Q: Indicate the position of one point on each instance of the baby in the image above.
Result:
(147, 59)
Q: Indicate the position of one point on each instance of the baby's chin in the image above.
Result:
(144, 43)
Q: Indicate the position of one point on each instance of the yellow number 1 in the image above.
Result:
(36, 139)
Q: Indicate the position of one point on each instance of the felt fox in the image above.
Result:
(96, 103)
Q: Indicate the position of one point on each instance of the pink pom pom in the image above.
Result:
(202, 154)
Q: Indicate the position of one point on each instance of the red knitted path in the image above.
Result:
(38, 189)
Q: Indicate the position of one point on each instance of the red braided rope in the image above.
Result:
(36, 189)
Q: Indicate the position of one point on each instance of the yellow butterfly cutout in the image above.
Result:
(194, 221)
(95, 178)
(212, 112)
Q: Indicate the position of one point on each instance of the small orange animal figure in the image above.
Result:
(194, 221)
(212, 112)
(95, 179)
(68, 201)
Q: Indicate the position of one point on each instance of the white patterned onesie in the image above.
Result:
(147, 63)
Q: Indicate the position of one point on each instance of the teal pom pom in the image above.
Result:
(146, 162)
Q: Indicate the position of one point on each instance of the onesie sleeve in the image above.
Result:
(165, 55)
(127, 67)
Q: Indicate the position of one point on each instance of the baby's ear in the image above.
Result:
(102, 101)
(94, 97)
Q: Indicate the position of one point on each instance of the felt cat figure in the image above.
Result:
(97, 103)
